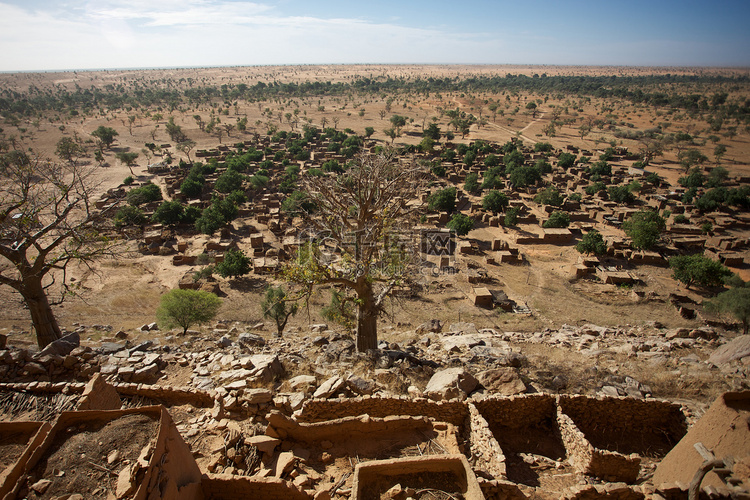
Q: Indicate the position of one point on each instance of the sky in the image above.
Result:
(37, 35)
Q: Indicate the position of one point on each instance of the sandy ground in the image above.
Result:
(125, 293)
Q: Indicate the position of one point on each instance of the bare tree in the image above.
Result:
(366, 215)
(47, 220)
(186, 147)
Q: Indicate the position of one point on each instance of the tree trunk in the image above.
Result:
(367, 320)
(367, 330)
(45, 324)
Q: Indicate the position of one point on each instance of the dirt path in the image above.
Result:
(518, 133)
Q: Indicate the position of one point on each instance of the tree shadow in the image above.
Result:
(248, 284)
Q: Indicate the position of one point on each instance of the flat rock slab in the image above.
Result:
(736, 349)
(503, 381)
(450, 383)
(460, 341)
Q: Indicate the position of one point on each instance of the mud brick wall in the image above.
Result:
(517, 411)
(484, 447)
(317, 410)
(223, 486)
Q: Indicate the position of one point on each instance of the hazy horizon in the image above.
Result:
(82, 35)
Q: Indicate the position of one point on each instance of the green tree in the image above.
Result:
(717, 177)
(511, 216)
(235, 264)
(443, 200)
(175, 131)
(644, 229)
(550, 196)
(129, 216)
(192, 187)
(471, 184)
(690, 158)
(524, 175)
(229, 181)
(566, 160)
(735, 301)
(297, 203)
(491, 161)
(512, 160)
(557, 219)
(340, 310)
(433, 132)
(696, 179)
(333, 166)
(168, 213)
(186, 308)
(461, 224)
(209, 221)
(369, 131)
(495, 201)
(698, 270)
(532, 107)
(69, 150)
(105, 136)
(653, 178)
(592, 242)
(620, 194)
(259, 181)
(426, 144)
(145, 194)
(242, 124)
(128, 159)
(595, 188)
(469, 157)
(600, 168)
(275, 306)
(392, 133)
(719, 152)
(398, 121)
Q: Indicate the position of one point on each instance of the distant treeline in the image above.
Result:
(649, 90)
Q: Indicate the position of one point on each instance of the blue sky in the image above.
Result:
(81, 34)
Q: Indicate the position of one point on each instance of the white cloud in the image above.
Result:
(208, 33)
(174, 13)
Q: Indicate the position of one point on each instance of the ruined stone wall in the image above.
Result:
(166, 394)
(221, 486)
(579, 450)
(361, 427)
(17, 364)
(517, 411)
(484, 447)
(624, 416)
(317, 410)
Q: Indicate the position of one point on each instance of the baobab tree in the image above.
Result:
(47, 221)
(367, 215)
